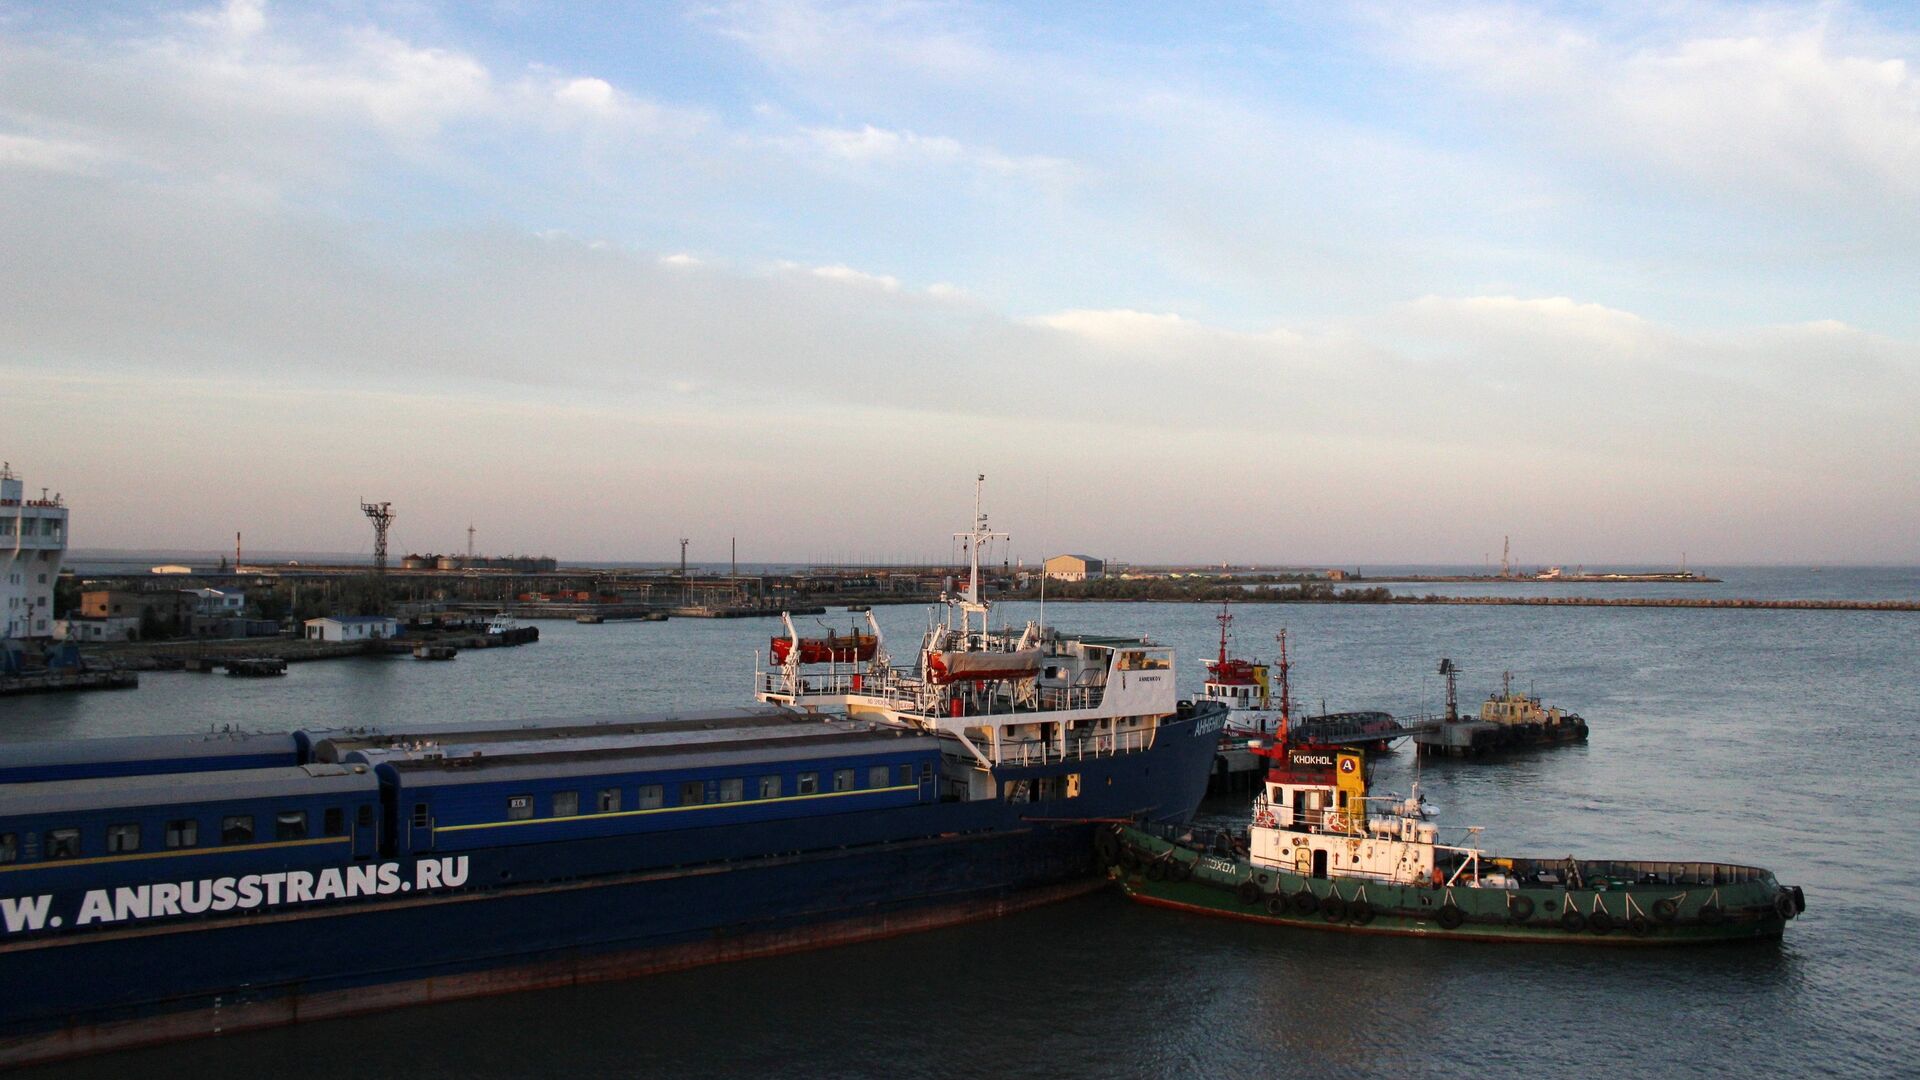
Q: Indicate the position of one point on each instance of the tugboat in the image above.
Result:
(1245, 688)
(1321, 852)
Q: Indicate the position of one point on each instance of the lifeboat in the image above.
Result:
(832, 649)
(953, 667)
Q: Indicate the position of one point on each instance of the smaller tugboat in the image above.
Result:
(1321, 852)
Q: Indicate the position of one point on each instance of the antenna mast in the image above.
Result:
(381, 514)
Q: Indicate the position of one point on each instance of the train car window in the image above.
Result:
(364, 819)
(692, 793)
(652, 797)
(333, 822)
(123, 838)
(566, 803)
(420, 815)
(63, 843)
(236, 829)
(769, 787)
(843, 779)
(183, 832)
(290, 825)
(732, 789)
(519, 807)
(609, 800)
(809, 783)
(9, 850)
(906, 776)
(926, 771)
(877, 776)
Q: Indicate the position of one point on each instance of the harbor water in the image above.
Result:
(1786, 739)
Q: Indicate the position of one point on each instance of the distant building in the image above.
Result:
(33, 539)
(218, 601)
(171, 606)
(1336, 575)
(351, 628)
(1075, 568)
(112, 628)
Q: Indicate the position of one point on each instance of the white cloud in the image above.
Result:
(1759, 104)
(849, 275)
(46, 155)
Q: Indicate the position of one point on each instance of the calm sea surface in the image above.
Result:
(1787, 739)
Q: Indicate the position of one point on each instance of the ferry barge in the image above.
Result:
(162, 888)
(1321, 852)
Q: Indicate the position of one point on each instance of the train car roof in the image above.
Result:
(177, 789)
(143, 748)
(333, 745)
(459, 766)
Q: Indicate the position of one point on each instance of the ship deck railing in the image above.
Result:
(907, 693)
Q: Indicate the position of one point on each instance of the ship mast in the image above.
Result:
(1225, 618)
(980, 535)
(1286, 690)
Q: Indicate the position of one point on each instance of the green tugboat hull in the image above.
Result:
(1704, 903)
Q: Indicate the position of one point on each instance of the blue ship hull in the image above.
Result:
(551, 913)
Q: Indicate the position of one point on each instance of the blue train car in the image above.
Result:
(147, 755)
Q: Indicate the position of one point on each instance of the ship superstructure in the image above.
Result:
(1004, 700)
(33, 541)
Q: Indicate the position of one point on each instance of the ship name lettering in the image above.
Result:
(133, 903)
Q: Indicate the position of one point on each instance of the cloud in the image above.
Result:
(883, 282)
(46, 155)
(1765, 104)
(873, 147)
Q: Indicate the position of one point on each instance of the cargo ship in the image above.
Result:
(1322, 852)
(162, 888)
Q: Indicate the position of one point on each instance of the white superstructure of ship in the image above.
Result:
(1006, 696)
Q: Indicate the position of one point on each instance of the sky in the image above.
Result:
(1281, 283)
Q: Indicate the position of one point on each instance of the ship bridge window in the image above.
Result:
(692, 792)
(732, 789)
(290, 825)
(877, 776)
(63, 843)
(1137, 660)
(651, 797)
(566, 803)
(333, 822)
(123, 838)
(519, 807)
(843, 779)
(183, 832)
(609, 801)
(769, 787)
(9, 850)
(809, 783)
(236, 829)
